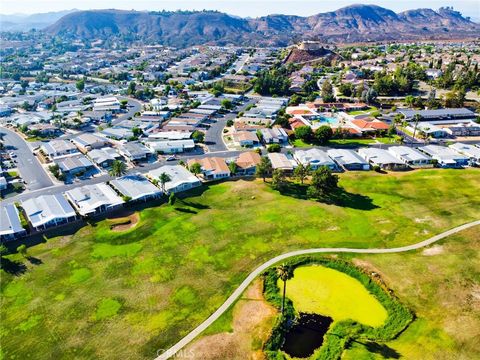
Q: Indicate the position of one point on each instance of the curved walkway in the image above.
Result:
(163, 355)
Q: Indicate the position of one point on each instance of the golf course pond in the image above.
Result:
(323, 296)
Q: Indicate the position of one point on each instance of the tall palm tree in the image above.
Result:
(164, 178)
(118, 168)
(416, 119)
(284, 272)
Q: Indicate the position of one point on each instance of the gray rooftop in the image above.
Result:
(409, 113)
(44, 208)
(135, 187)
(346, 157)
(407, 153)
(10, 223)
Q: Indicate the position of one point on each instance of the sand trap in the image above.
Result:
(434, 250)
(125, 222)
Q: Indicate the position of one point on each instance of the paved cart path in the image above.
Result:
(163, 355)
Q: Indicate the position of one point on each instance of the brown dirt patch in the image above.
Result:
(124, 222)
(252, 321)
(434, 250)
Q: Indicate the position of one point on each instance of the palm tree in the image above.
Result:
(118, 168)
(164, 178)
(416, 119)
(284, 273)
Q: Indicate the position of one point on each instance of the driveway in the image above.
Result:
(28, 165)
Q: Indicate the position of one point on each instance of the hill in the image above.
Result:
(349, 24)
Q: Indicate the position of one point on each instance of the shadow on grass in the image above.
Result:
(385, 351)
(340, 197)
(15, 268)
(34, 260)
(188, 211)
(194, 205)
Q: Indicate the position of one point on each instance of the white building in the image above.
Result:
(93, 199)
(410, 156)
(445, 156)
(10, 225)
(348, 159)
(45, 211)
(381, 158)
(181, 178)
(136, 187)
(282, 162)
(316, 158)
(472, 151)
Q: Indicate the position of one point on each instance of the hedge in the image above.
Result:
(342, 333)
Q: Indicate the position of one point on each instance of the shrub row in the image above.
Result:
(342, 333)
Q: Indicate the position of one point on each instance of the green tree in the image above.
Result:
(278, 180)
(195, 168)
(274, 148)
(304, 133)
(131, 88)
(226, 104)
(264, 168)
(164, 178)
(346, 89)
(327, 92)
(198, 136)
(80, 84)
(137, 132)
(171, 199)
(323, 134)
(22, 249)
(301, 172)
(323, 182)
(118, 168)
(409, 100)
(416, 119)
(284, 273)
(233, 167)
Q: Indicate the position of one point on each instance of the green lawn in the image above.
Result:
(99, 293)
(354, 142)
(329, 292)
(363, 112)
(443, 289)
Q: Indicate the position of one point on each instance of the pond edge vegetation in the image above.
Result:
(342, 333)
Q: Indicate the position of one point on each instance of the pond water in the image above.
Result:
(306, 335)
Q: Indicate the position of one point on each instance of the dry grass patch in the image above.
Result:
(252, 321)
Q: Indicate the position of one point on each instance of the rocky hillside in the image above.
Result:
(350, 24)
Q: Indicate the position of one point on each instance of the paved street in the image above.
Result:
(28, 165)
(133, 107)
(214, 135)
(141, 169)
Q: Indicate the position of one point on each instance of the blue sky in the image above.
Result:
(251, 8)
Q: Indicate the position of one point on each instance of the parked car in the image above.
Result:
(171, 158)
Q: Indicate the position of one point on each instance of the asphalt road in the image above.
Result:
(142, 168)
(133, 107)
(28, 165)
(214, 135)
(259, 270)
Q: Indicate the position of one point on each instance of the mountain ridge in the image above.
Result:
(354, 23)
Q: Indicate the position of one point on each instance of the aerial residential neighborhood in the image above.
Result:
(264, 190)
